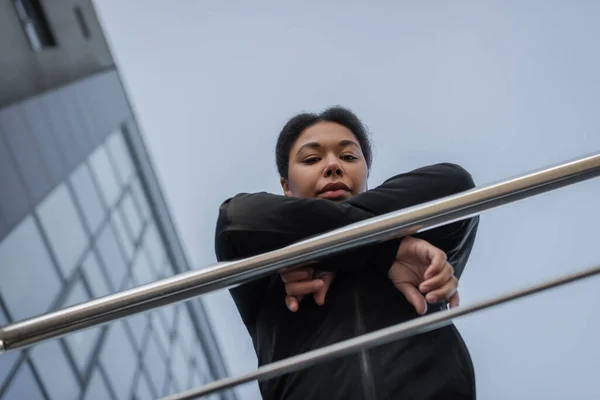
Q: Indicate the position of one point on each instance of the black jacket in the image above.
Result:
(361, 299)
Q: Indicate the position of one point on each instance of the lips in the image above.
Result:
(334, 190)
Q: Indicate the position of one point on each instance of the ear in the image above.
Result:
(285, 185)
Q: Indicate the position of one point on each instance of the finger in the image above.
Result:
(437, 280)
(293, 302)
(414, 297)
(443, 293)
(438, 260)
(454, 300)
(296, 275)
(320, 294)
(302, 288)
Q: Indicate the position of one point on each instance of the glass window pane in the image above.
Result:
(185, 328)
(82, 343)
(92, 271)
(122, 234)
(88, 197)
(63, 227)
(169, 313)
(7, 360)
(24, 386)
(159, 329)
(97, 388)
(138, 324)
(180, 366)
(201, 361)
(119, 360)
(154, 246)
(110, 253)
(169, 388)
(132, 216)
(25, 263)
(105, 174)
(155, 363)
(54, 370)
(139, 195)
(141, 269)
(121, 156)
(143, 390)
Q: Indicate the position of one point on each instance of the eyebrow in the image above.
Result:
(317, 145)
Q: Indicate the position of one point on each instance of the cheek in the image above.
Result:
(360, 176)
(302, 183)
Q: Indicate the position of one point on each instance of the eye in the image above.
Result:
(348, 157)
(311, 160)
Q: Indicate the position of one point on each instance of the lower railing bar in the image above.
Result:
(377, 338)
(194, 283)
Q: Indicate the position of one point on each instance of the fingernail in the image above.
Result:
(318, 284)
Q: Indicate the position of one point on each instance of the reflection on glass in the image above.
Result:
(93, 274)
(121, 156)
(122, 234)
(54, 370)
(132, 216)
(25, 263)
(81, 343)
(143, 390)
(88, 197)
(119, 360)
(155, 363)
(105, 175)
(63, 227)
(97, 388)
(141, 269)
(139, 195)
(23, 386)
(8, 360)
(110, 253)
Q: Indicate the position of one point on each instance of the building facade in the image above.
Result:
(82, 216)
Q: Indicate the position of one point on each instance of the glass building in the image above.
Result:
(82, 216)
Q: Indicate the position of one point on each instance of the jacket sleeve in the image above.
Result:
(251, 224)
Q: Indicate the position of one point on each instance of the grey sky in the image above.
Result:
(500, 87)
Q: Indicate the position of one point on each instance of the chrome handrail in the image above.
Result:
(377, 338)
(194, 283)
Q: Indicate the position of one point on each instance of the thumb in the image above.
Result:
(413, 296)
(320, 294)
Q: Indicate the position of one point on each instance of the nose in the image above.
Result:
(333, 168)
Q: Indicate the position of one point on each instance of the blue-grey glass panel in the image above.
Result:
(63, 228)
(121, 156)
(7, 360)
(119, 360)
(169, 388)
(155, 362)
(23, 386)
(73, 113)
(3, 226)
(97, 389)
(25, 151)
(139, 195)
(138, 324)
(197, 379)
(132, 216)
(169, 313)
(105, 175)
(154, 246)
(200, 361)
(80, 93)
(141, 269)
(82, 343)
(186, 330)
(110, 253)
(93, 274)
(26, 264)
(122, 235)
(14, 201)
(45, 136)
(180, 366)
(69, 144)
(143, 390)
(88, 197)
(106, 115)
(159, 329)
(54, 370)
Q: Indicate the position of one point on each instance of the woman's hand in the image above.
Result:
(303, 281)
(423, 275)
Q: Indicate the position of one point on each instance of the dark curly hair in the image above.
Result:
(295, 126)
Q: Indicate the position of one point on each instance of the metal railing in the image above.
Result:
(396, 224)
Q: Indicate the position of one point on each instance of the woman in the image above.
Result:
(323, 161)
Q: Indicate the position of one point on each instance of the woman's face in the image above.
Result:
(326, 161)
